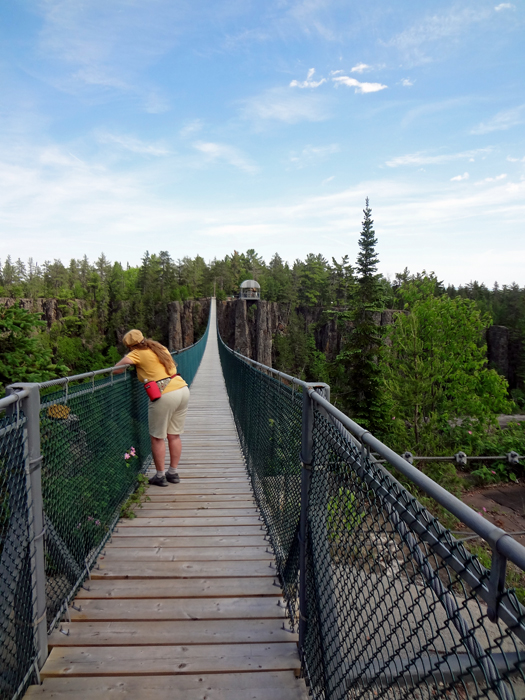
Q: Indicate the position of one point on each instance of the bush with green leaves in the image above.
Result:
(343, 515)
(23, 357)
(436, 383)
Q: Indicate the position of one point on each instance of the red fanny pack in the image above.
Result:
(152, 388)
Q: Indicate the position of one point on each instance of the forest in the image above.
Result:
(421, 383)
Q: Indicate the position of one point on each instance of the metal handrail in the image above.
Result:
(12, 398)
(500, 540)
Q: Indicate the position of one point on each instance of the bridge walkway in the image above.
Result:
(183, 600)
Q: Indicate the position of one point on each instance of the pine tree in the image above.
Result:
(367, 259)
(359, 375)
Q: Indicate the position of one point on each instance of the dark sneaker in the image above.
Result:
(173, 478)
(158, 481)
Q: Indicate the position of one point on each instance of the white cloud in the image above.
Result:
(313, 153)
(498, 178)
(285, 106)
(191, 128)
(308, 83)
(130, 143)
(229, 154)
(360, 68)
(515, 160)
(53, 156)
(109, 211)
(459, 178)
(100, 47)
(502, 121)
(359, 87)
(406, 82)
(504, 6)
(435, 28)
(421, 158)
(327, 180)
(155, 103)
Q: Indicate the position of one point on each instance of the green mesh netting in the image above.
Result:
(17, 647)
(87, 426)
(394, 604)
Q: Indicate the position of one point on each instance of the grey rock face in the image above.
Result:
(498, 348)
(242, 340)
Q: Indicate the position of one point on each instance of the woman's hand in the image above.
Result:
(124, 361)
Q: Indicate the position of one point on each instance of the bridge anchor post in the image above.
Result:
(30, 404)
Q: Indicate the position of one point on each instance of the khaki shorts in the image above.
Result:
(168, 414)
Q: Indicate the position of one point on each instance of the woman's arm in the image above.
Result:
(124, 361)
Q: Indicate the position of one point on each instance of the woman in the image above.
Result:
(167, 415)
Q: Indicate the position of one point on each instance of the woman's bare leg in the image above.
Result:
(175, 446)
(158, 450)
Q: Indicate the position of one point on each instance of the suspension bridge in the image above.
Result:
(287, 562)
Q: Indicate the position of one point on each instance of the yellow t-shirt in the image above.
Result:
(150, 367)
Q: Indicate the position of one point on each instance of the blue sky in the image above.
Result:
(201, 127)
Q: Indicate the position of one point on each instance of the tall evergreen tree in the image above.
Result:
(359, 375)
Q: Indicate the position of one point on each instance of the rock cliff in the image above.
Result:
(186, 322)
(51, 310)
(249, 327)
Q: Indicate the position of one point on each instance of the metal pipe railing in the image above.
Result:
(411, 523)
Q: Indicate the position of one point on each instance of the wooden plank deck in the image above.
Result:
(183, 602)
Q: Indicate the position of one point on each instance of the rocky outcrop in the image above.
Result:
(186, 322)
(498, 348)
(250, 326)
(51, 310)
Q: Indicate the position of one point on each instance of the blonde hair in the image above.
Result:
(160, 351)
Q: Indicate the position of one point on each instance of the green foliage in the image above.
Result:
(358, 379)
(137, 498)
(445, 474)
(494, 474)
(23, 358)
(435, 377)
(343, 514)
(296, 352)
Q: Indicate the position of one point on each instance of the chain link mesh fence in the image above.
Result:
(396, 607)
(188, 359)
(267, 414)
(87, 425)
(86, 430)
(17, 645)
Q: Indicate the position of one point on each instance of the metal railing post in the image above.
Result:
(307, 444)
(31, 409)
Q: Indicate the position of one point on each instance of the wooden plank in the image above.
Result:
(231, 521)
(201, 490)
(185, 554)
(182, 542)
(175, 531)
(182, 569)
(124, 633)
(269, 685)
(170, 660)
(211, 480)
(173, 497)
(230, 506)
(179, 609)
(180, 588)
(161, 512)
(198, 472)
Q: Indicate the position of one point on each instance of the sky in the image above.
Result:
(208, 126)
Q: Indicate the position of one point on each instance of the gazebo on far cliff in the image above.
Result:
(250, 289)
